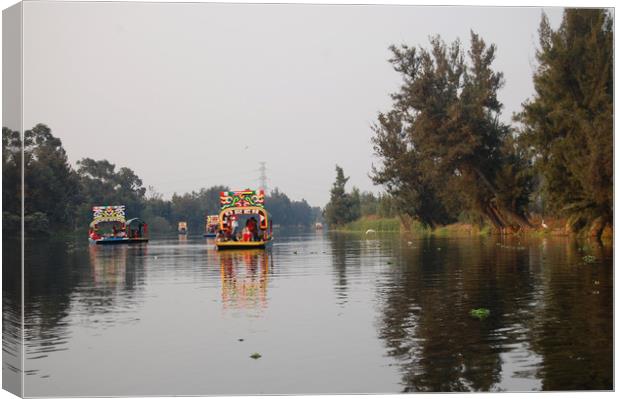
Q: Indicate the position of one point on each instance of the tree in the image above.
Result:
(442, 147)
(342, 207)
(193, 207)
(51, 186)
(567, 127)
(286, 212)
(103, 185)
(11, 180)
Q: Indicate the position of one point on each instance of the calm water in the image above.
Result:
(329, 313)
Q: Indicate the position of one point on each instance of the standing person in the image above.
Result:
(253, 227)
(235, 227)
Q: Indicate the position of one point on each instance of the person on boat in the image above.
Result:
(246, 235)
(253, 227)
(234, 227)
(94, 234)
(221, 235)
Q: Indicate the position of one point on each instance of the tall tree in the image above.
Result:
(11, 180)
(442, 147)
(342, 207)
(568, 124)
(51, 186)
(103, 185)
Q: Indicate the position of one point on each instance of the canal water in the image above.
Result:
(326, 312)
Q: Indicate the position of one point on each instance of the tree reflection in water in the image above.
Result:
(537, 334)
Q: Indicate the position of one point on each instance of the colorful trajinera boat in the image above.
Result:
(110, 227)
(239, 227)
(212, 223)
(182, 229)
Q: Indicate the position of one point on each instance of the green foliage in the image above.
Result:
(103, 185)
(36, 223)
(568, 125)
(379, 225)
(50, 184)
(342, 207)
(158, 224)
(480, 313)
(58, 197)
(442, 147)
(11, 223)
(589, 259)
(11, 174)
(289, 213)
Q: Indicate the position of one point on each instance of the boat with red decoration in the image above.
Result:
(244, 222)
(110, 227)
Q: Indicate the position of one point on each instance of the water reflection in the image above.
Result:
(121, 266)
(537, 337)
(345, 259)
(368, 315)
(244, 278)
(11, 314)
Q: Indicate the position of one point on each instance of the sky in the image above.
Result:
(193, 95)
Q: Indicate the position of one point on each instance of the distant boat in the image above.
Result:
(318, 226)
(240, 207)
(110, 227)
(211, 224)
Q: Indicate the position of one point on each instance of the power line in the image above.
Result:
(262, 179)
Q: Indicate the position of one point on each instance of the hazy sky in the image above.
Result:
(192, 95)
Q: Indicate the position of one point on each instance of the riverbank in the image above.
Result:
(549, 227)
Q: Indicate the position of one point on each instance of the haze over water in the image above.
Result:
(327, 312)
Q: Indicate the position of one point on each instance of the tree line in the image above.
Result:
(445, 155)
(58, 197)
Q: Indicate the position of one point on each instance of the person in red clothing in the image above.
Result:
(253, 227)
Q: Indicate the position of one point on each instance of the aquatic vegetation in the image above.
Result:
(256, 355)
(480, 313)
(589, 259)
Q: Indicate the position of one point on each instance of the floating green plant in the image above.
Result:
(480, 313)
(589, 259)
(255, 355)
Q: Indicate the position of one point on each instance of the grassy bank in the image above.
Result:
(395, 225)
(370, 223)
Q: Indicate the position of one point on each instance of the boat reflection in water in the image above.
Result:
(117, 266)
(244, 276)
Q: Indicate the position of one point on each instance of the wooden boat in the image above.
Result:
(242, 208)
(182, 229)
(109, 227)
(211, 224)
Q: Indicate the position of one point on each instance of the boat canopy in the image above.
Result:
(211, 220)
(114, 214)
(135, 222)
(245, 202)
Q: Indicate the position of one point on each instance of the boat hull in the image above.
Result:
(242, 244)
(117, 241)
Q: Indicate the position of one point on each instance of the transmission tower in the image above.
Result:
(262, 179)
